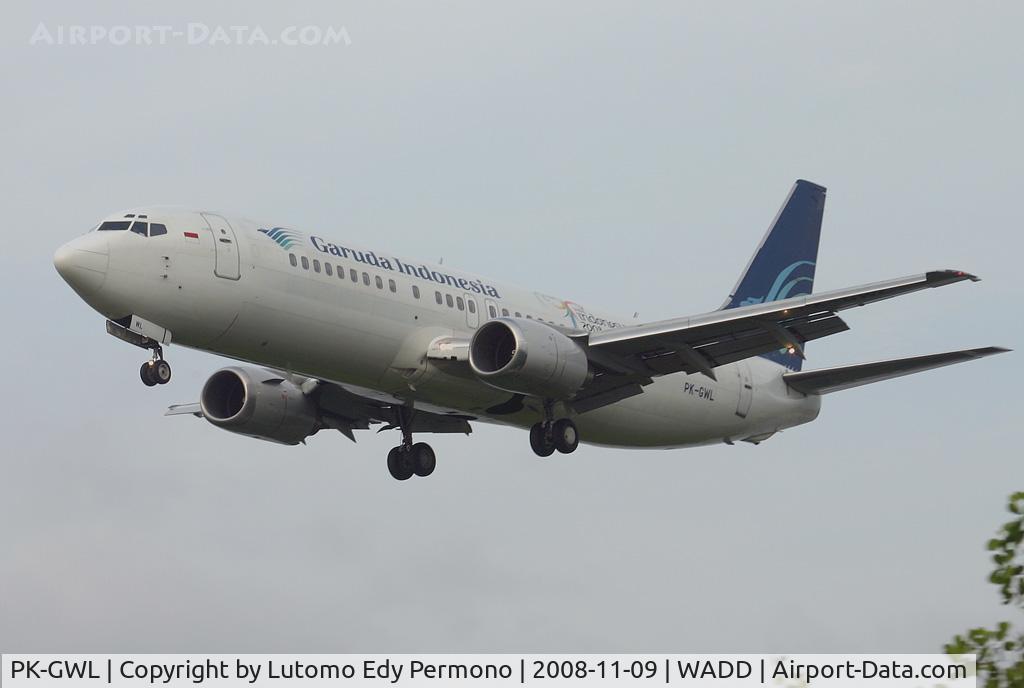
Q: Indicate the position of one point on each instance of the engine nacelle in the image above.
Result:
(528, 357)
(257, 403)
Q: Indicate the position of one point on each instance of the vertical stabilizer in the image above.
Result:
(783, 265)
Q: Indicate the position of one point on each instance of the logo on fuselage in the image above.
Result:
(567, 307)
(577, 317)
(285, 238)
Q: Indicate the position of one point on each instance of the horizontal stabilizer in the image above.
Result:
(844, 377)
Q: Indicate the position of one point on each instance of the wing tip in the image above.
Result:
(950, 276)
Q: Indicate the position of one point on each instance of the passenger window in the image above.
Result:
(460, 303)
(156, 229)
(529, 317)
(366, 278)
(448, 300)
(392, 286)
(437, 295)
(493, 311)
(354, 275)
(140, 228)
(293, 260)
(504, 312)
(379, 281)
(518, 314)
(472, 305)
(341, 272)
(115, 226)
(328, 269)
(305, 263)
(415, 291)
(316, 265)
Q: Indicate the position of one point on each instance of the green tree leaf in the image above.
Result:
(1001, 655)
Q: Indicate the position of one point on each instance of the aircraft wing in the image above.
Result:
(844, 377)
(358, 412)
(703, 342)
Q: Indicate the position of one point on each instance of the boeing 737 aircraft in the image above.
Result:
(330, 335)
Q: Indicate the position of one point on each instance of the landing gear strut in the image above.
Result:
(409, 459)
(155, 371)
(550, 434)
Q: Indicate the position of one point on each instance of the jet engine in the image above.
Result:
(258, 403)
(528, 357)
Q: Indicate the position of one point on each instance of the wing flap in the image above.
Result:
(839, 378)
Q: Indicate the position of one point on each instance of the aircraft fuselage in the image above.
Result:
(265, 295)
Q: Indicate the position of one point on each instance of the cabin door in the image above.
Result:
(226, 262)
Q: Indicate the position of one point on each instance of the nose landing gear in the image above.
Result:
(155, 371)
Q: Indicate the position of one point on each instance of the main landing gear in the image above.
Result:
(408, 459)
(549, 435)
(405, 461)
(155, 371)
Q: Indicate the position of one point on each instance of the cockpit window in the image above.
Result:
(140, 228)
(114, 226)
(157, 229)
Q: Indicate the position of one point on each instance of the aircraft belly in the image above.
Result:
(690, 410)
(665, 415)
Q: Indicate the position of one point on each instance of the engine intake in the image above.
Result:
(256, 403)
(528, 357)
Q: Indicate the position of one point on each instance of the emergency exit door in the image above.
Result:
(472, 313)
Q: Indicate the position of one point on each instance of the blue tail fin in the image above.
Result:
(783, 265)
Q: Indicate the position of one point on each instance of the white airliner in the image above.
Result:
(344, 337)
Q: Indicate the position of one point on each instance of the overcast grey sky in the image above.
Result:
(625, 155)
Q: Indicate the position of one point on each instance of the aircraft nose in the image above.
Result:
(83, 263)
